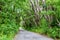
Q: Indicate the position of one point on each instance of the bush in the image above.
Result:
(49, 21)
(9, 19)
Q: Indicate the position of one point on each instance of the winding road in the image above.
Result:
(26, 35)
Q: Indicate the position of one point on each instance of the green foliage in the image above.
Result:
(9, 18)
(50, 27)
(12, 12)
(4, 37)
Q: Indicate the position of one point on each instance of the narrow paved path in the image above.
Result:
(26, 35)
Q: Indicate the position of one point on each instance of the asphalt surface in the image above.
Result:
(26, 35)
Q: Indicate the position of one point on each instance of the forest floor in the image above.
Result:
(26, 35)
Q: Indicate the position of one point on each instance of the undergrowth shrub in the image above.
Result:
(9, 19)
(49, 22)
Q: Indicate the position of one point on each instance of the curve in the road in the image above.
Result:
(26, 35)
